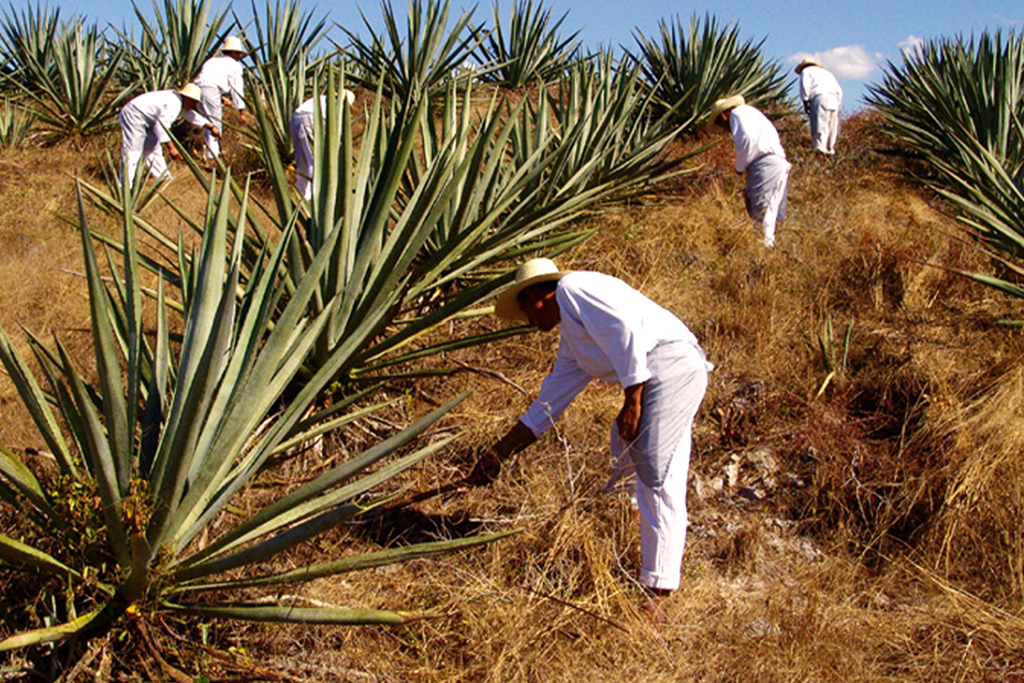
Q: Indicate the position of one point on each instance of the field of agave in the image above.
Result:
(290, 317)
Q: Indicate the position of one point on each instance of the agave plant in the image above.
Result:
(530, 50)
(172, 433)
(688, 68)
(25, 43)
(951, 91)
(171, 51)
(990, 197)
(73, 95)
(66, 69)
(286, 61)
(960, 105)
(419, 63)
(15, 124)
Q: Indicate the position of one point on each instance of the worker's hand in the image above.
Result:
(486, 470)
(213, 130)
(241, 117)
(628, 420)
(173, 152)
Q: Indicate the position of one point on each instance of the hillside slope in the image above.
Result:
(831, 481)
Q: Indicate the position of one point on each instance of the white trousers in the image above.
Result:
(663, 516)
(300, 127)
(775, 210)
(212, 108)
(824, 121)
(139, 142)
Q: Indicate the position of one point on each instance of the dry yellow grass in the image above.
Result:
(888, 548)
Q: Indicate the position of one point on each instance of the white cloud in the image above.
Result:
(849, 62)
(910, 46)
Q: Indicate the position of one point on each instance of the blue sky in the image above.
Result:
(852, 39)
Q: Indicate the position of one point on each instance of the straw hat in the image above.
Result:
(530, 273)
(809, 61)
(725, 104)
(192, 92)
(233, 44)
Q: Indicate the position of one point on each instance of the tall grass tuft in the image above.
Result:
(689, 67)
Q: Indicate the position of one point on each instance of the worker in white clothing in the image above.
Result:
(760, 155)
(612, 332)
(221, 76)
(822, 97)
(300, 127)
(145, 127)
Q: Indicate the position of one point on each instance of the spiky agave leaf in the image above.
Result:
(284, 47)
(16, 121)
(960, 105)
(66, 71)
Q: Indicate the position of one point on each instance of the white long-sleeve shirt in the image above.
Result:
(225, 73)
(816, 81)
(607, 329)
(155, 111)
(753, 136)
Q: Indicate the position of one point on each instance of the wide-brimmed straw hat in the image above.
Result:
(724, 104)
(532, 272)
(233, 44)
(191, 91)
(809, 61)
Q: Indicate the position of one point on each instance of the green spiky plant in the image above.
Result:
(172, 432)
(989, 194)
(15, 124)
(529, 50)
(65, 70)
(25, 41)
(73, 97)
(951, 90)
(959, 104)
(286, 58)
(689, 67)
(417, 63)
(172, 49)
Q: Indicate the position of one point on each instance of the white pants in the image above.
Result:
(824, 119)
(766, 192)
(775, 210)
(301, 129)
(138, 142)
(663, 517)
(212, 108)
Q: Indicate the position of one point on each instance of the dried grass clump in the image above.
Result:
(982, 542)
